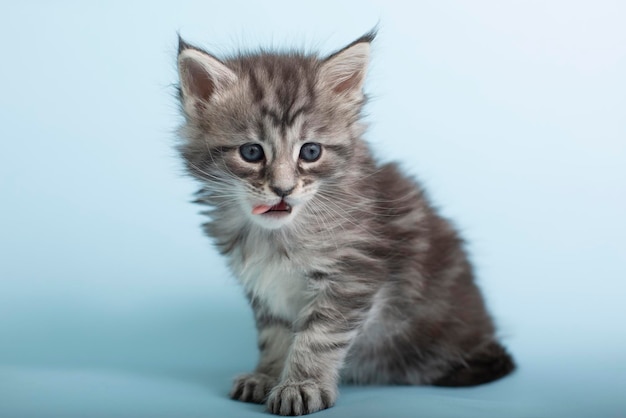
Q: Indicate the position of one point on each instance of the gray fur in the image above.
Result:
(363, 281)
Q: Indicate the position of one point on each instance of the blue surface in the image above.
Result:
(113, 304)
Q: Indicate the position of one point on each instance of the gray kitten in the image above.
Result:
(351, 273)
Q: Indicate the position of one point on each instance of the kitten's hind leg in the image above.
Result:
(486, 365)
(274, 341)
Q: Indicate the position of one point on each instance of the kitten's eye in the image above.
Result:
(252, 153)
(310, 151)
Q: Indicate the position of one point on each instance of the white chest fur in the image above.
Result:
(275, 280)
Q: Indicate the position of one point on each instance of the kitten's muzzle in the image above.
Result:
(282, 192)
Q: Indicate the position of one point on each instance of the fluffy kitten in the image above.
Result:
(350, 272)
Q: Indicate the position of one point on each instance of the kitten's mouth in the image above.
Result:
(281, 208)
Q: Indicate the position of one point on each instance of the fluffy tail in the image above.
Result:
(484, 366)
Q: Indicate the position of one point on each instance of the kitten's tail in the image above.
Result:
(489, 364)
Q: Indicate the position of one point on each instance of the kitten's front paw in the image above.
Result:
(252, 387)
(299, 398)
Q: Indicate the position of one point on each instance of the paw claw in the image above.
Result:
(252, 387)
(300, 398)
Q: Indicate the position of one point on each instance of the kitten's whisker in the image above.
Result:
(324, 223)
(208, 176)
(368, 206)
(380, 200)
(339, 211)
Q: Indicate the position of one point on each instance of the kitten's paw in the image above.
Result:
(299, 398)
(252, 387)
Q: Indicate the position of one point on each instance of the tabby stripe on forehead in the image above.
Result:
(276, 120)
(262, 131)
(256, 88)
(285, 120)
(297, 113)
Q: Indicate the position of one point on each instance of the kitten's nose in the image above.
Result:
(282, 192)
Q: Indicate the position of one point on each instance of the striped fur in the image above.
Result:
(363, 281)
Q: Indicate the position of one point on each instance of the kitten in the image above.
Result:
(350, 271)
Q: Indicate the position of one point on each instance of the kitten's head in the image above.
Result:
(266, 132)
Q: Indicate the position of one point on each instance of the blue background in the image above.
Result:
(113, 304)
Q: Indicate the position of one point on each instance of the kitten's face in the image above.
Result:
(274, 179)
(268, 133)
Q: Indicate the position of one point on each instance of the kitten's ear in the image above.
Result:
(202, 76)
(344, 71)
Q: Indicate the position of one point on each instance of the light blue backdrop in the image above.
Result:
(113, 304)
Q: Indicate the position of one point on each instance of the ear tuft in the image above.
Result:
(344, 71)
(201, 74)
(182, 44)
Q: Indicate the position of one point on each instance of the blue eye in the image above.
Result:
(310, 152)
(252, 153)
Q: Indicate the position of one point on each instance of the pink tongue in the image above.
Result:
(257, 210)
